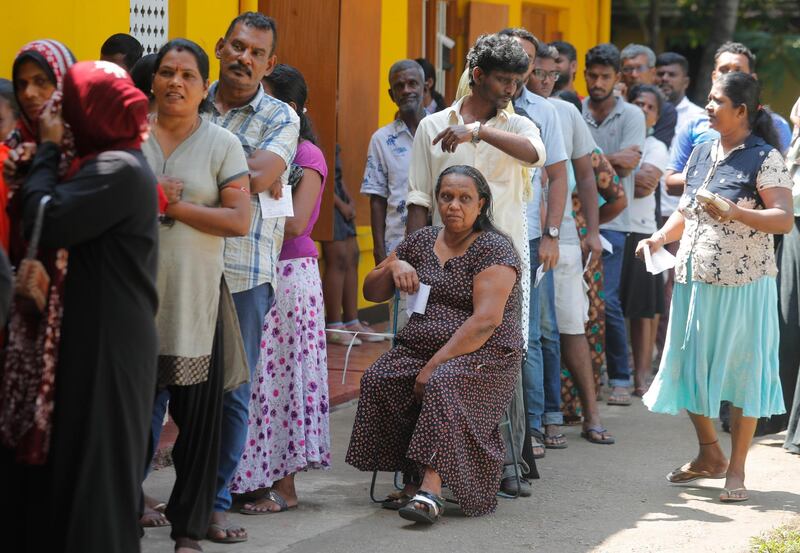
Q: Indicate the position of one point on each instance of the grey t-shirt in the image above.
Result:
(578, 142)
(623, 127)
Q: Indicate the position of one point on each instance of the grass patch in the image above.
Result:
(784, 539)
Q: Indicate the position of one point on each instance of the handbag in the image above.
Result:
(32, 281)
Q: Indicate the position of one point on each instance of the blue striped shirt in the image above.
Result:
(262, 124)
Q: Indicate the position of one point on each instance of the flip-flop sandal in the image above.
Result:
(684, 474)
(148, 520)
(160, 507)
(623, 399)
(433, 507)
(552, 441)
(396, 500)
(727, 495)
(597, 430)
(276, 498)
(224, 529)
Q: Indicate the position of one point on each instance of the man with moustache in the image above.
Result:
(268, 130)
(567, 67)
(619, 130)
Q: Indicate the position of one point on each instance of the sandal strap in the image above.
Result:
(597, 429)
(278, 500)
(434, 503)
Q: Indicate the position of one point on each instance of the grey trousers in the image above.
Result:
(516, 432)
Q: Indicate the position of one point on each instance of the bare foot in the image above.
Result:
(187, 545)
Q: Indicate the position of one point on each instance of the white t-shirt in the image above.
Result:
(643, 210)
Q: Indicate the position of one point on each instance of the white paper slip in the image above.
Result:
(271, 208)
(658, 262)
(539, 276)
(588, 262)
(606, 244)
(416, 303)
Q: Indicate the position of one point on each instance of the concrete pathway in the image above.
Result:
(590, 498)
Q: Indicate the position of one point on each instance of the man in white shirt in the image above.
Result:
(478, 131)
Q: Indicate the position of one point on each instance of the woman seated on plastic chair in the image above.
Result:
(431, 406)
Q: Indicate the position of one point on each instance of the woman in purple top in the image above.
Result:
(288, 426)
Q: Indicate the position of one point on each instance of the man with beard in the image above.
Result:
(567, 67)
(388, 160)
(618, 128)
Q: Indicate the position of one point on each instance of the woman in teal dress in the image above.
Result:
(722, 340)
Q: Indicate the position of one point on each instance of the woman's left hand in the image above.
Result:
(422, 380)
(51, 126)
(723, 216)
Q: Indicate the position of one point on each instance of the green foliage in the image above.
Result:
(785, 539)
(777, 54)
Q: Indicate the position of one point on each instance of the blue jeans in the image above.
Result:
(619, 372)
(157, 423)
(251, 307)
(541, 373)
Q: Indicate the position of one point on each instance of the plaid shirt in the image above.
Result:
(263, 124)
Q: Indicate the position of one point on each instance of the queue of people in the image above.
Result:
(152, 277)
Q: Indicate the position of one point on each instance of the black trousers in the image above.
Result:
(197, 412)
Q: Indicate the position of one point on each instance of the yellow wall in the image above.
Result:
(82, 25)
(203, 21)
(583, 23)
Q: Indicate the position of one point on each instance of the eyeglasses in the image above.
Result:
(541, 74)
(635, 68)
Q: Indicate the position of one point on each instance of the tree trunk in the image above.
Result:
(655, 25)
(721, 28)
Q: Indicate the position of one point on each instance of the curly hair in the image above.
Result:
(496, 53)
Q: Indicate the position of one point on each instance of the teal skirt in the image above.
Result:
(722, 345)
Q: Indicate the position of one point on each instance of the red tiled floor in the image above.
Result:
(361, 357)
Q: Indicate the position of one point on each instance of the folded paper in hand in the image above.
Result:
(271, 208)
(416, 303)
(658, 262)
(539, 276)
(607, 246)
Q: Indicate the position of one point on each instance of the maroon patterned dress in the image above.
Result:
(454, 429)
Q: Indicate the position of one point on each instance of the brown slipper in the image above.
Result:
(685, 474)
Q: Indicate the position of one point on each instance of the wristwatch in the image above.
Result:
(552, 232)
(476, 129)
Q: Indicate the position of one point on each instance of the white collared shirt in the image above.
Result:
(506, 175)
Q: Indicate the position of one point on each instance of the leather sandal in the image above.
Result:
(432, 508)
